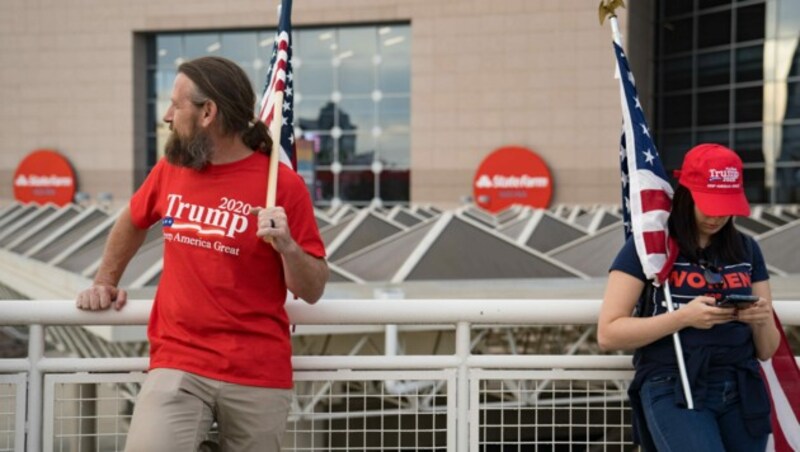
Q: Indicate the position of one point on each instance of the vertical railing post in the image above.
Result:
(462, 406)
(33, 422)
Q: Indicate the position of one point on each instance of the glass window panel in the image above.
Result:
(314, 78)
(748, 144)
(713, 108)
(393, 150)
(677, 111)
(749, 104)
(703, 4)
(714, 136)
(754, 185)
(316, 44)
(357, 149)
(356, 114)
(677, 73)
(323, 147)
(673, 7)
(360, 42)
(356, 76)
(168, 48)
(750, 63)
(672, 148)
(323, 185)
(201, 44)
(714, 29)
(164, 80)
(714, 68)
(794, 71)
(393, 185)
(750, 23)
(394, 78)
(790, 146)
(357, 185)
(395, 41)
(314, 114)
(241, 47)
(792, 100)
(677, 35)
(394, 114)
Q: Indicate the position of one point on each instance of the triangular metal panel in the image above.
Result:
(16, 214)
(64, 237)
(18, 228)
(330, 233)
(367, 228)
(404, 216)
(466, 249)
(781, 247)
(754, 225)
(43, 228)
(550, 232)
(380, 261)
(592, 254)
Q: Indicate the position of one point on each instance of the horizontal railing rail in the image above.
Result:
(463, 314)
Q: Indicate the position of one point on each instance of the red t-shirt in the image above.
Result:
(219, 308)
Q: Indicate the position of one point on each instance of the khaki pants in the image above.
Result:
(175, 410)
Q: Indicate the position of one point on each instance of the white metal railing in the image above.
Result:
(465, 378)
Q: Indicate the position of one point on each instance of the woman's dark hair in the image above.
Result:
(724, 246)
(222, 81)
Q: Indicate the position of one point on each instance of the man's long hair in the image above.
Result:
(222, 81)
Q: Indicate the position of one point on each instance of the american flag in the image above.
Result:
(647, 197)
(279, 79)
(646, 192)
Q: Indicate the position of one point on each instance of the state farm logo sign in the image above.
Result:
(44, 176)
(512, 175)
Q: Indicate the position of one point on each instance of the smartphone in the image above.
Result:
(737, 301)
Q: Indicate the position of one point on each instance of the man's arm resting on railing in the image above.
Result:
(123, 242)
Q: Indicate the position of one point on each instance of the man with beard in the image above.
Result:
(219, 334)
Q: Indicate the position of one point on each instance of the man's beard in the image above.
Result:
(191, 152)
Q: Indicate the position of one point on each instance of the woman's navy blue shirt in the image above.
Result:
(720, 350)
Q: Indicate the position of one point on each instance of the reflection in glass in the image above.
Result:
(201, 44)
(314, 78)
(394, 185)
(168, 49)
(394, 78)
(352, 89)
(357, 185)
(356, 76)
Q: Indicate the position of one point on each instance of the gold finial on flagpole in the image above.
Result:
(607, 8)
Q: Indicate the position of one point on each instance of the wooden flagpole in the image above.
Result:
(275, 156)
(607, 9)
(275, 131)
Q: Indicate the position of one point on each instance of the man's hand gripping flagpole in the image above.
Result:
(607, 9)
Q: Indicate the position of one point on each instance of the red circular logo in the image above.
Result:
(44, 176)
(512, 175)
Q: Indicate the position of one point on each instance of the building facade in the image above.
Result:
(397, 100)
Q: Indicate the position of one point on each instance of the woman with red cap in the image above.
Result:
(721, 345)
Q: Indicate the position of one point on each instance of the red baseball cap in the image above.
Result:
(713, 174)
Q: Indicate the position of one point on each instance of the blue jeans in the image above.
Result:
(718, 426)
